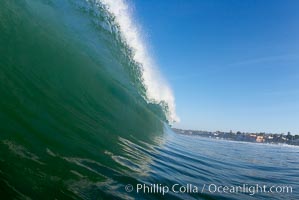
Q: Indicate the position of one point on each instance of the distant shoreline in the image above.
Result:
(244, 137)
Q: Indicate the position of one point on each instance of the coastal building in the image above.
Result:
(260, 139)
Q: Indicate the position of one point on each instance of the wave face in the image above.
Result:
(73, 83)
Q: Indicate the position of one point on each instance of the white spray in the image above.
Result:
(156, 88)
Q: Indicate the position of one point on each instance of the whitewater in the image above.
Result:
(157, 89)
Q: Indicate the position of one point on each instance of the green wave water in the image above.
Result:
(78, 119)
(68, 85)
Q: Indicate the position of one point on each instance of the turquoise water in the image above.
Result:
(76, 121)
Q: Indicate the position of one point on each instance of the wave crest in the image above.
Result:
(157, 90)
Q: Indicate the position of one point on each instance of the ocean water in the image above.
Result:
(85, 115)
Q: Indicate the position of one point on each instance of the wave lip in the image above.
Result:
(157, 90)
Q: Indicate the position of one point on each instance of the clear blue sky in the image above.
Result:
(233, 64)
